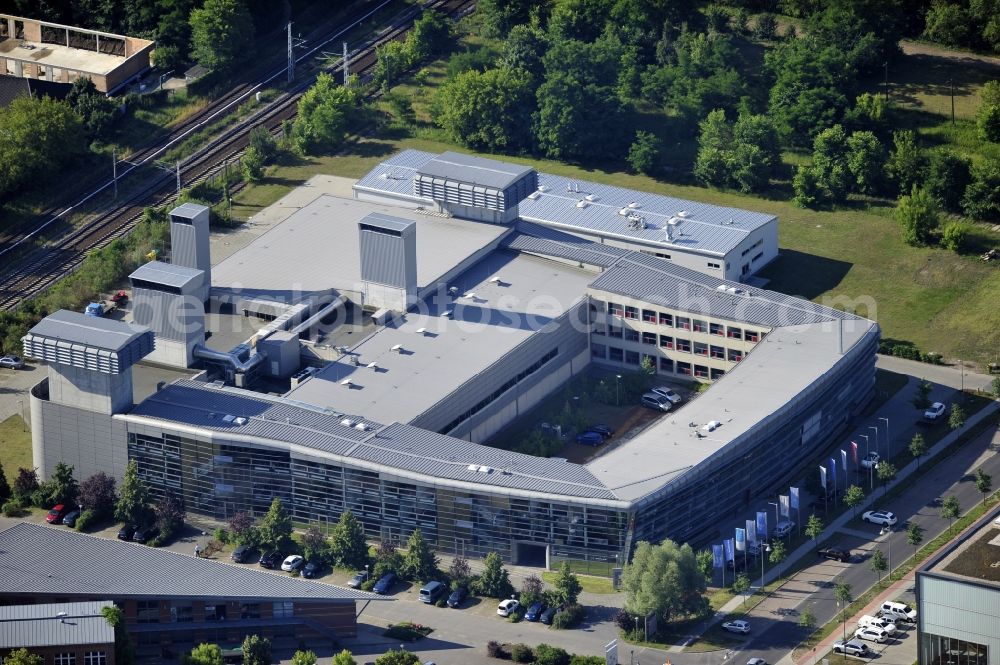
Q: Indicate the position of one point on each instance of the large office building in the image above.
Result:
(59, 633)
(958, 600)
(478, 317)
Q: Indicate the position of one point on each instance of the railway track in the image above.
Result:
(47, 265)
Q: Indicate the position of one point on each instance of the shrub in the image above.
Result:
(550, 655)
(495, 650)
(12, 508)
(521, 653)
(571, 616)
(442, 601)
(221, 535)
(86, 519)
(954, 235)
(368, 585)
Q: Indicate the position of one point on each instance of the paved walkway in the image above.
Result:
(947, 375)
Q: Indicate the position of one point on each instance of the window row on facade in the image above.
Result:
(671, 343)
(89, 658)
(662, 363)
(668, 320)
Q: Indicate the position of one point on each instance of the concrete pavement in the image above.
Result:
(946, 375)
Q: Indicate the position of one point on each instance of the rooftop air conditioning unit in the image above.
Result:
(683, 214)
(543, 188)
(347, 422)
(582, 203)
(590, 197)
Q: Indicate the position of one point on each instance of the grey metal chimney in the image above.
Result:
(189, 241)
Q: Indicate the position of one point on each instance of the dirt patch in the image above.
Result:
(980, 559)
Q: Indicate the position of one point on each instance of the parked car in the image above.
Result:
(669, 393)
(590, 438)
(359, 578)
(126, 532)
(604, 430)
(270, 560)
(57, 513)
(871, 460)
(507, 607)
(852, 647)
(756, 661)
(313, 569)
(534, 612)
(935, 411)
(385, 584)
(145, 534)
(783, 528)
(656, 402)
(739, 626)
(548, 615)
(883, 517)
(457, 596)
(71, 518)
(834, 553)
(431, 591)
(11, 362)
(868, 621)
(292, 563)
(871, 634)
(898, 612)
(242, 554)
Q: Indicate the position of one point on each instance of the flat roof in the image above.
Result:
(495, 318)
(707, 228)
(318, 248)
(474, 170)
(387, 221)
(55, 624)
(46, 561)
(95, 332)
(975, 557)
(167, 274)
(63, 57)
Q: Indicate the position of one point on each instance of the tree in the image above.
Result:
(914, 536)
(531, 589)
(309, 658)
(988, 123)
(61, 486)
(325, 112)
(805, 184)
(523, 49)
(918, 447)
(664, 579)
(947, 24)
(242, 528)
(956, 419)
(948, 175)
(221, 34)
(744, 155)
(5, 489)
(347, 542)
(488, 110)
(853, 498)
(345, 657)
(982, 196)
(169, 513)
(204, 654)
(830, 162)
(401, 657)
(495, 581)
(995, 386)
(546, 654)
(96, 110)
(906, 164)
(878, 564)
(115, 616)
(954, 235)
(706, 564)
(581, 20)
(886, 472)
(459, 571)
(23, 657)
(97, 493)
(814, 527)
(419, 562)
(430, 36)
(807, 619)
(741, 585)
(766, 27)
(276, 526)
(950, 510)
(252, 165)
(498, 17)
(133, 502)
(567, 584)
(25, 484)
(387, 558)
(38, 137)
(716, 138)
(984, 483)
(922, 398)
(644, 155)
(865, 160)
(918, 215)
(315, 546)
(842, 592)
(256, 650)
(778, 554)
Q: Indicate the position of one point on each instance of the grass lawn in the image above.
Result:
(590, 583)
(15, 446)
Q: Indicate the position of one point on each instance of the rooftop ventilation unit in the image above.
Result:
(590, 197)
(486, 469)
(345, 382)
(447, 313)
(421, 331)
(347, 422)
(372, 365)
(228, 418)
(633, 205)
(471, 295)
(543, 188)
(534, 196)
(361, 427)
(473, 467)
(720, 287)
(623, 211)
(582, 204)
(683, 214)
(396, 347)
(452, 290)
(495, 279)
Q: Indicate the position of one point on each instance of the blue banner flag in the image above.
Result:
(741, 539)
(843, 461)
(751, 531)
(794, 497)
(762, 524)
(833, 472)
(717, 556)
(822, 476)
(730, 549)
(783, 502)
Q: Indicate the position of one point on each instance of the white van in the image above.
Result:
(868, 621)
(897, 612)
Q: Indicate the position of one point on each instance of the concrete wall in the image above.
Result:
(87, 389)
(88, 441)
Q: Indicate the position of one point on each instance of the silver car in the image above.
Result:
(656, 401)
(669, 393)
(11, 362)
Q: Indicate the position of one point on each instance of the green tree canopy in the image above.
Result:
(865, 160)
(644, 155)
(345, 657)
(256, 650)
(222, 34)
(814, 527)
(347, 542)
(982, 196)
(38, 137)
(495, 581)
(97, 493)
(497, 18)
(984, 483)
(988, 123)
(419, 562)
(664, 579)
(948, 175)
(918, 447)
(907, 164)
(853, 497)
(204, 654)
(315, 546)
(567, 584)
(957, 416)
(23, 657)
(401, 657)
(309, 658)
(878, 563)
(325, 113)
(133, 502)
(918, 215)
(276, 526)
(951, 509)
(489, 110)
(5, 490)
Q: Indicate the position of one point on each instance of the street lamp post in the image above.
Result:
(366, 572)
(618, 383)
(888, 441)
(876, 441)
(763, 551)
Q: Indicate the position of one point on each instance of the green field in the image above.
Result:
(15, 446)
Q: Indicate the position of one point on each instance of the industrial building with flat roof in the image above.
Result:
(479, 317)
(59, 632)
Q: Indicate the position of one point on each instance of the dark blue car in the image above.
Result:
(534, 612)
(385, 584)
(589, 438)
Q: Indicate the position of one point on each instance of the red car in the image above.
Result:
(57, 514)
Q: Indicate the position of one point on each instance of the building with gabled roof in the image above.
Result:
(75, 632)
